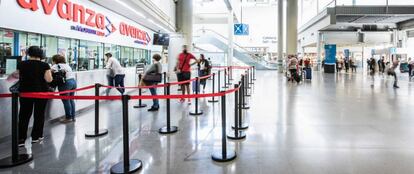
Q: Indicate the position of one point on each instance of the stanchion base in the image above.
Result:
(166, 130)
(225, 87)
(193, 112)
(251, 83)
(134, 165)
(21, 159)
(242, 127)
(140, 106)
(229, 83)
(236, 136)
(248, 95)
(101, 132)
(218, 156)
(213, 101)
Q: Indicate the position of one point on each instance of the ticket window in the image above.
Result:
(6, 48)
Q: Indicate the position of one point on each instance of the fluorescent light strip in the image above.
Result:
(159, 26)
(130, 8)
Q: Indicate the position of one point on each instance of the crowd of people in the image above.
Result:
(35, 75)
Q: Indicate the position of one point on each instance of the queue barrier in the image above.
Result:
(131, 165)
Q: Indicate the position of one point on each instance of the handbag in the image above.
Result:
(15, 87)
(154, 77)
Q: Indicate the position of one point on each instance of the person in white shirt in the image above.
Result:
(115, 73)
(59, 64)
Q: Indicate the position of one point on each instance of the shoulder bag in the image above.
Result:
(153, 77)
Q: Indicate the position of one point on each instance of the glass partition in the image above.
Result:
(6, 48)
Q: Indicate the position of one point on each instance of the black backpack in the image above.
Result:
(59, 77)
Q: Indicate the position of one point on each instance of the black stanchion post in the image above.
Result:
(140, 105)
(241, 124)
(244, 91)
(97, 132)
(231, 73)
(213, 100)
(248, 79)
(15, 159)
(168, 129)
(225, 79)
(126, 166)
(223, 155)
(254, 72)
(196, 110)
(228, 77)
(247, 85)
(251, 75)
(237, 134)
(218, 81)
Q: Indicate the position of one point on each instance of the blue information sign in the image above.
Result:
(330, 54)
(241, 29)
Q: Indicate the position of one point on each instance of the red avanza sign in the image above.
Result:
(78, 13)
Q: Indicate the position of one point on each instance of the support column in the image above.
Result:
(230, 44)
(319, 51)
(280, 35)
(184, 14)
(292, 27)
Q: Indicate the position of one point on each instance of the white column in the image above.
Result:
(292, 27)
(280, 35)
(230, 22)
(319, 51)
(184, 14)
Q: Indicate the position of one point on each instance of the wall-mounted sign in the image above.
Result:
(241, 29)
(78, 19)
(269, 39)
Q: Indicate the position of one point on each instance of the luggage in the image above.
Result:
(308, 73)
(195, 86)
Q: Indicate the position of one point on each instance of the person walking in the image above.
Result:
(372, 70)
(115, 73)
(204, 70)
(382, 63)
(34, 76)
(155, 68)
(391, 72)
(59, 64)
(293, 65)
(183, 70)
(410, 67)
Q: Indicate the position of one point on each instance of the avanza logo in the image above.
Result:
(135, 33)
(67, 10)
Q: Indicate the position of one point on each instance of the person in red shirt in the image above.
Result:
(183, 69)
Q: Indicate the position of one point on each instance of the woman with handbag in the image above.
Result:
(153, 76)
(68, 82)
(34, 76)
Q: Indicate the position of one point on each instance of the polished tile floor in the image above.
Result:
(336, 124)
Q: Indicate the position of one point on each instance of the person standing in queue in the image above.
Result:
(204, 70)
(372, 70)
(34, 76)
(183, 69)
(59, 64)
(115, 73)
(293, 66)
(156, 67)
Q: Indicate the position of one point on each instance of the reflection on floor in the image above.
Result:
(334, 124)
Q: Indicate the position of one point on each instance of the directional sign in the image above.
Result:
(241, 29)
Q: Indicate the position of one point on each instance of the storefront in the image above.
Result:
(80, 30)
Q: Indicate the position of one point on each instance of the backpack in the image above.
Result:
(59, 77)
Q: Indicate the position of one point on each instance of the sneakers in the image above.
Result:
(153, 109)
(21, 143)
(396, 87)
(40, 139)
(66, 120)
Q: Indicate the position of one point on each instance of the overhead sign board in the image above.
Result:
(241, 29)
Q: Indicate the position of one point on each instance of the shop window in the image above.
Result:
(6, 49)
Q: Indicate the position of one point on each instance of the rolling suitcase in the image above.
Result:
(308, 73)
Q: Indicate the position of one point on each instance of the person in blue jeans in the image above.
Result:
(59, 64)
(156, 67)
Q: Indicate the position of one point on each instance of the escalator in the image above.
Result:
(205, 36)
